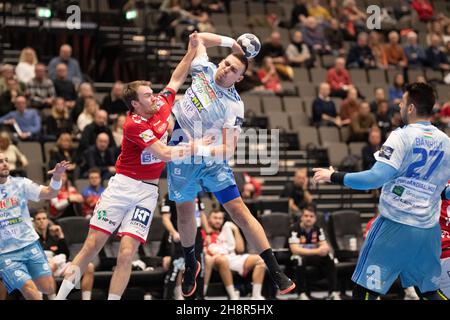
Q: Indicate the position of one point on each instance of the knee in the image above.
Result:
(28, 288)
(125, 256)
(221, 261)
(90, 268)
(47, 286)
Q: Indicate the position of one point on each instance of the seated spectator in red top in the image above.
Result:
(92, 193)
(424, 9)
(68, 201)
(339, 79)
(268, 76)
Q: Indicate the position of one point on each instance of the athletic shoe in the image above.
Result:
(303, 296)
(335, 296)
(410, 294)
(285, 284)
(189, 283)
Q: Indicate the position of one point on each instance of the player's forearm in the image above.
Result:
(374, 178)
(182, 70)
(214, 40)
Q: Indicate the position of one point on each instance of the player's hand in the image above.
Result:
(57, 231)
(59, 169)
(323, 251)
(176, 237)
(194, 40)
(237, 48)
(322, 174)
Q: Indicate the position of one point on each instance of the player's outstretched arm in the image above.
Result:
(214, 40)
(168, 153)
(374, 178)
(181, 71)
(223, 151)
(52, 189)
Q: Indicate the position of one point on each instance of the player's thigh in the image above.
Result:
(138, 219)
(13, 270)
(237, 263)
(445, 277)
(37, 263)
(182, 180)
(45, 284)
(216, 177)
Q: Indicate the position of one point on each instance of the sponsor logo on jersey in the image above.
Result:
(194, 100)
(398, 190)
(141, 215)
(147, 135)
(10, 222)
(9, 203)
(137, 118)
(160, 128)
(386, 152)
(239, 121)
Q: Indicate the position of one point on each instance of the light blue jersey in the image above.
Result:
(208, 104)
(421, 155)
(16, 228)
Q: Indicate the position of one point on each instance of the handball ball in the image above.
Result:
(250, 44)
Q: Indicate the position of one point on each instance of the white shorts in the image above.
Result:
(237, 262)
(445, 277)
(127, 203)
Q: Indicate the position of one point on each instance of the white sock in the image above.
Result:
(86, 295)
(51, 296)
(230, 291)
(113, 296)
(64, 290)
(177, 293)
(205, 289)
(256, 290)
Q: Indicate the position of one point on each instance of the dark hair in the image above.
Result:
(130, 92)
(422, 96)
(94, 170)
(242, 59)
(40, 210)
(311, 208)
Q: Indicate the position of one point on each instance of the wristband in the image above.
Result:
(55, 185)
(338, 177)
(204, 151)
(226, 41)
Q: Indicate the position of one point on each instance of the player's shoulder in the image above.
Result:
(19, 181)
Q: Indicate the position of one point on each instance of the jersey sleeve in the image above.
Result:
(31, 190)
(234, 116)
(199, 63)
(140, 134)
(168, 95)
(393, 150)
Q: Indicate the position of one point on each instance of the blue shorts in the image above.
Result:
(19, 266)
(393, 249)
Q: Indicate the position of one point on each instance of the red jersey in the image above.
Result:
(444, 220)
(138, 134)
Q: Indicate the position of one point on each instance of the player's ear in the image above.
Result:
(240, 79)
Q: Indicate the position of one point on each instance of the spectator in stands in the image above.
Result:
(88, 114)
(224, 249)
(63, 86)
(171, 14)
(374, 144)
(199, 16)
(52, 240)
(360, 55)
(85, 91)
(353, 18)
(273, 48)
(377, 47)
(335, 37)
(339, 79)
(269, 77)
(73, 67)
(395, 54)
(100, 156)
(435, 27)
(9, 95)
(314, 36)
(309, 245)
(18, 162)
(113, 103)
(383, 117)
(65, 150)
(297, 52)
(26, 66)
(424, 9)
(299, 13)
(117, 129)
(92, 193)
(361, 123)
(6, 73)
(436, 58)
(415, 53)
(318, 11)
(40, 89)
(396, 90)
(349, 107)
(248, 185)
(91, 131)
(68, 201)
(58, 121)
(251, 82)
(396, 121)
(297, 193)
(445, 115)
(26, 122)
(324, 109)
(380, 95)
